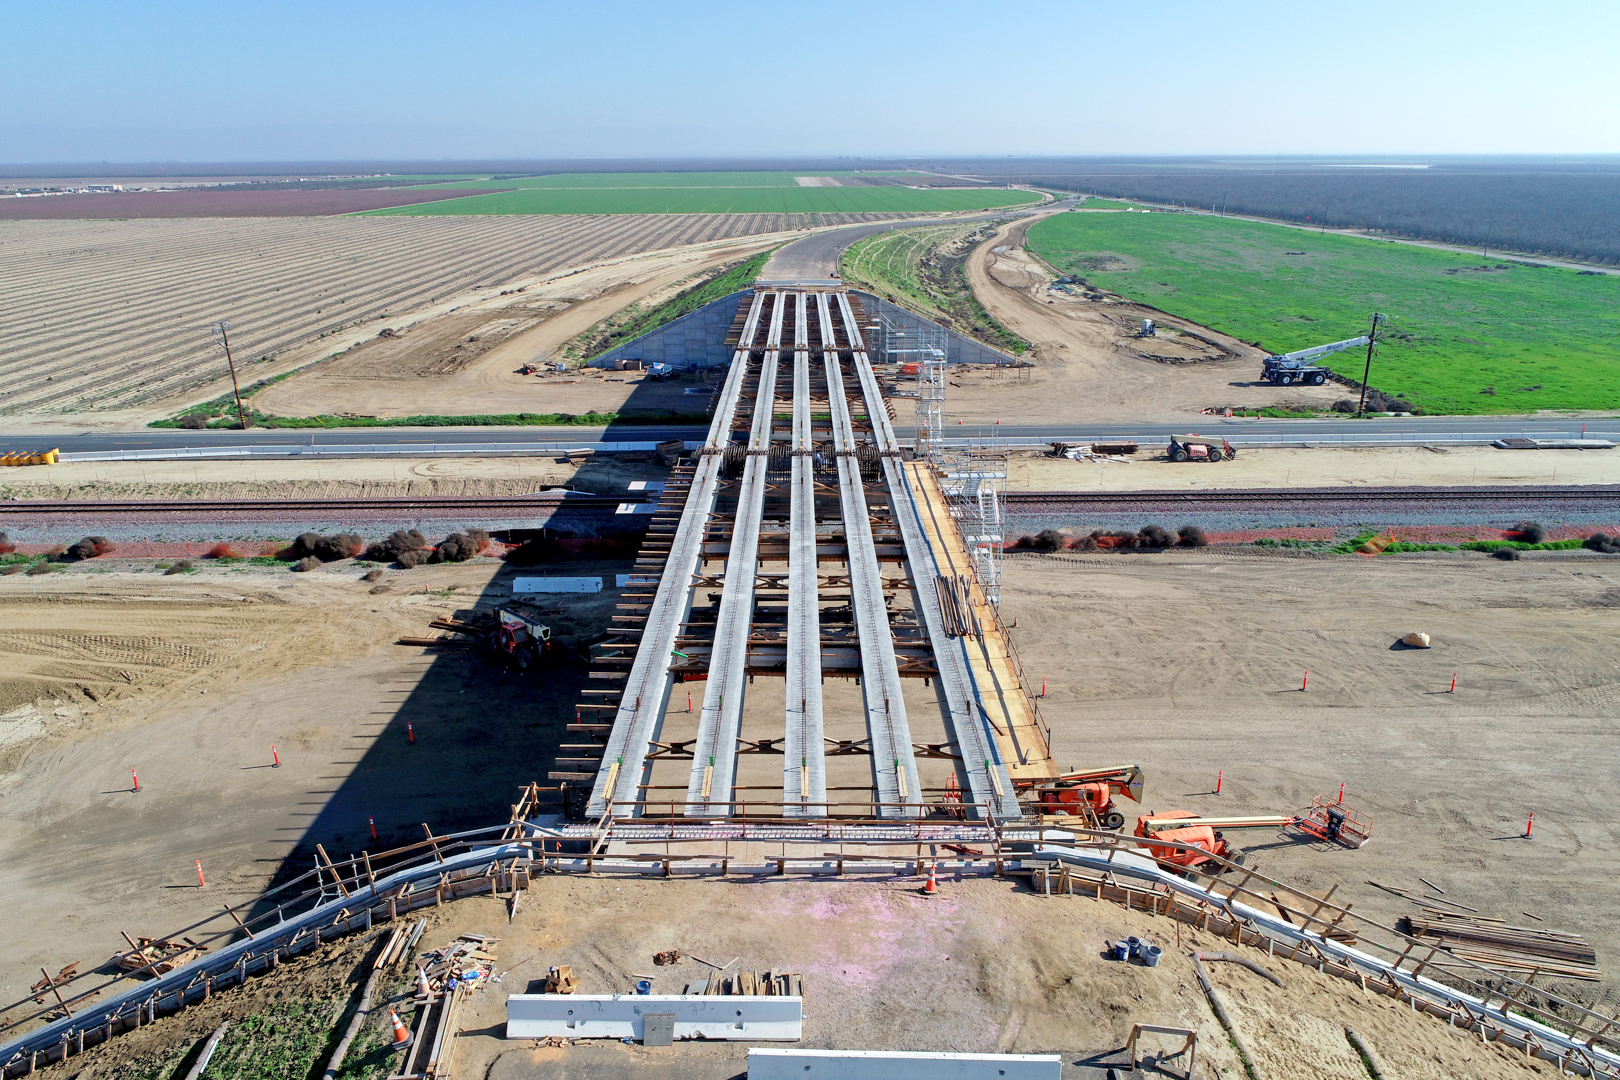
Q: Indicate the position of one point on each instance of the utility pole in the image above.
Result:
(1372, 339)
(223, 330)
(1485, 252)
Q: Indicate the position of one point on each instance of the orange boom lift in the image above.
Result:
(1088, 794)
(1325, 819)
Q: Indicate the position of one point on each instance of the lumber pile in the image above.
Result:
(956, 605)
(1494, 943)
(753, 984)
(562, 980)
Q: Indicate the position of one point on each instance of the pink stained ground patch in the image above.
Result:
(207, 203)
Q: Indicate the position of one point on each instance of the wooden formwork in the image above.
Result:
(1008, 703)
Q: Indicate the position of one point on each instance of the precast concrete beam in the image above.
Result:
(985, 773)
(804, 770)
(646, 693)
(714, 763)
(894, 765)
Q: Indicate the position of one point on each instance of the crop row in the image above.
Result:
(111, 314)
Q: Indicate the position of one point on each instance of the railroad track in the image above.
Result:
(1016, 501)
(546, 502)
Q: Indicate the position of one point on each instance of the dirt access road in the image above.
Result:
(1088, 366)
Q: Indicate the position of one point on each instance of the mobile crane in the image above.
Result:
(1300, 366)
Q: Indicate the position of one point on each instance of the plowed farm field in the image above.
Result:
(99, 315)
(207, 202)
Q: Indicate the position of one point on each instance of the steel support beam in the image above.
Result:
(894, 767)
(804, 772)
(714, 764)
(986, 777)
(640, 715)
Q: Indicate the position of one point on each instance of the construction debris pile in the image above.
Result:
(467, 961)
(151, 957)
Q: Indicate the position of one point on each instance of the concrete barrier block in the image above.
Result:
(765, 1063)
(620, 1016)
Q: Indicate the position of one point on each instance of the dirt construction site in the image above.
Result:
(1189, 667)
(502, 742)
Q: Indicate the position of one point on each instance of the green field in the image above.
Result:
(697, 193)
(597, 181)
(1469, 335)
(715, 200)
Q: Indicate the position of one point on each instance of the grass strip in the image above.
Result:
(923, 269)
(634, 321)
(590, 419)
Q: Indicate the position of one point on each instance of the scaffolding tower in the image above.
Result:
(972, 480)
(922, 344)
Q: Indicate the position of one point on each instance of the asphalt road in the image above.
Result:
(1350, 431)
(816, 257)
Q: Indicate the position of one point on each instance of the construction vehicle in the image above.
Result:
(1198, 448)
(520, 638)
(1300, 366)
(1089, 795)
(1325, 819)
(659, 372)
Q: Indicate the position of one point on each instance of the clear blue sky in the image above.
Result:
(288, 81)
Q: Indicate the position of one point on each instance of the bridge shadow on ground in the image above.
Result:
(453, 735)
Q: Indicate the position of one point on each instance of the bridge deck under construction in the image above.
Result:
(800, 544)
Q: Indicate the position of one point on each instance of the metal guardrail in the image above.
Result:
(347, 896)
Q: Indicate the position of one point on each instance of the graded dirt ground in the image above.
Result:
(1184, 662)
(467, 361)
(1089, 365)
(189, 680)
(333, 478)
(1285, 467)
(1191, 664)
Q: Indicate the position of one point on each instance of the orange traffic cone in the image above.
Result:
(422, 987)
(931, 886)
(401, 1036)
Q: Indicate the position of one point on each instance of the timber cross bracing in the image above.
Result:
(817, 486)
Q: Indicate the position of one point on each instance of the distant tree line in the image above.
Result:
(1552, 214)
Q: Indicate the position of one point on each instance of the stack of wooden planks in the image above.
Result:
(753, 984)
(956, 605)
(1494, 943)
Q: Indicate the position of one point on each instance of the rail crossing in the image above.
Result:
(802, 492)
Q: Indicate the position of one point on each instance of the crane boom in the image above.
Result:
(1318, 351)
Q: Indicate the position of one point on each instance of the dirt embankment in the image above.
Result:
(985, 966)
(1090, 365)
(468, 361)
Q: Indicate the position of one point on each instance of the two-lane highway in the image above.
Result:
(1371, 431)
